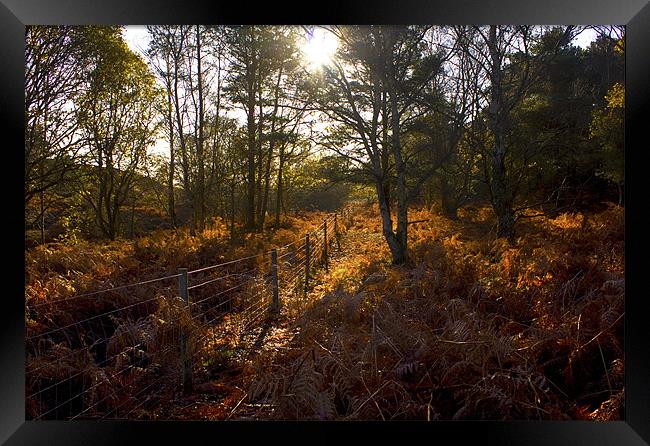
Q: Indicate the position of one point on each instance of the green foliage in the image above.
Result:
(71, 233)
(117, 114)
(607, 129)
(553, 131)
(318, 184)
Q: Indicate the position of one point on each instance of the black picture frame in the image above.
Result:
(15, 14)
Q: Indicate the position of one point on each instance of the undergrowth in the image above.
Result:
(470, 328)
(90, 354)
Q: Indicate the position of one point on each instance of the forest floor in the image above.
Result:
(470, 328)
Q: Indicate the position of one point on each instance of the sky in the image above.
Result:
(585, 38)
(137, 38)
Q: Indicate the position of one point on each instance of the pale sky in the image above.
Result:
(137, 38)
(585, 38)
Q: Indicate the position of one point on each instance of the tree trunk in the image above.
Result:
(250, 179)
(278, 195)
(132, 217)
(501, 201)
(402, 201)
(267, 185)
(199, 146)
(385, 159)
(171, 204)
(400, 170)
(448, 203)
(101, 187)
(232, 207)
(181, 136)
(272, 140)
(42, 219)
(45, 122)
(260, 160)
(397, 251)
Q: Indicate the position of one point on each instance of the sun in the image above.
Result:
(319, 48)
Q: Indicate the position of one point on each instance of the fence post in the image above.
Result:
(336, 233)
(325, 244)
(186, 361)
(307, 260)
(275, 305)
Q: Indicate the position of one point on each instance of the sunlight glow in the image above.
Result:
(319, 48)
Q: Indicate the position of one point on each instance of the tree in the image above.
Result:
(249, 68)
(607, 129)
(373, 91)
(510, 66)
(117, 116)
(288, 103)
(164, 56)
(55, 64)
(446, 134)
(262, 75)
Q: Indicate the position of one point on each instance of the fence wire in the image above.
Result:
(133, 343)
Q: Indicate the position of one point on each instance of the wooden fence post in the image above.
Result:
(275, 305)
(336, 233)
(307, 260)
(186, 361)
(325, 244)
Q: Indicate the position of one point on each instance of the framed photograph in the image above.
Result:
(386, 219)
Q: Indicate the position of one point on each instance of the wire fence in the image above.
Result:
(130, 347)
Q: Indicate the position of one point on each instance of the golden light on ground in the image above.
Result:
(319, 48)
